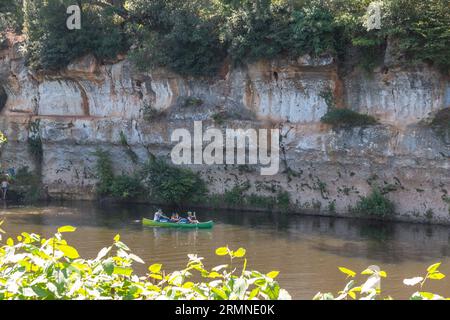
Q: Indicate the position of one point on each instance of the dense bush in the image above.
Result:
(25, 186)
(375, 205)
(173, 185)
(36, 268)
(179, 37)
(126, 187)
(50, 45)
(11, 16)
(123, 187)
(347, 118)
(104, 172)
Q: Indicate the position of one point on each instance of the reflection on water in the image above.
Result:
(307, 250)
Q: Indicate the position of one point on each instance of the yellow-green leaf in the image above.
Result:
(220, 293)
(155, 268)
(117, 237)
(436, 276)
(273, 274)
(355, 289)
(214, 275)
(80, 266)
(188, 285)
(123, 271)
(222, 251)
(66, 229)
(352, 295)
(367, 272)
(239, 253)
(69, 252)
(433, 267)
(155, 276)
(10, 242)
(348, 272)
(382, 274)
(427, 295)
(254, 293)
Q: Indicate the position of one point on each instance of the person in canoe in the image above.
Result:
(175, 218)
(192, 218)
(160, 217)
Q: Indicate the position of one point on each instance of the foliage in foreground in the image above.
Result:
(370, 288)
(34, 267)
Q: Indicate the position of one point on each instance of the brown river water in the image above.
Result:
(307, 250)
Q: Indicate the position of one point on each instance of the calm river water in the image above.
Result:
(306, 250)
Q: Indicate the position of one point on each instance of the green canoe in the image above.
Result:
(201, 225)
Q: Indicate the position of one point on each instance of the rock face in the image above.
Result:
(88, 105)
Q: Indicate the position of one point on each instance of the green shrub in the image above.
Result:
(171, 184)
(347, 118)
(236, 195)
(259, 201)
(122, 187)
(131, 154)
(192, 102)
(35, 141)
(25, 186)
(283, 200)
(51, 269)
(126, 187)
(104, 172)
(375, 205)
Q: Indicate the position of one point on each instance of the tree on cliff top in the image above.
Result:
(193, 37)
(50, 45)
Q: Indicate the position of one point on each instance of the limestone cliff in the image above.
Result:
(87, 105)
